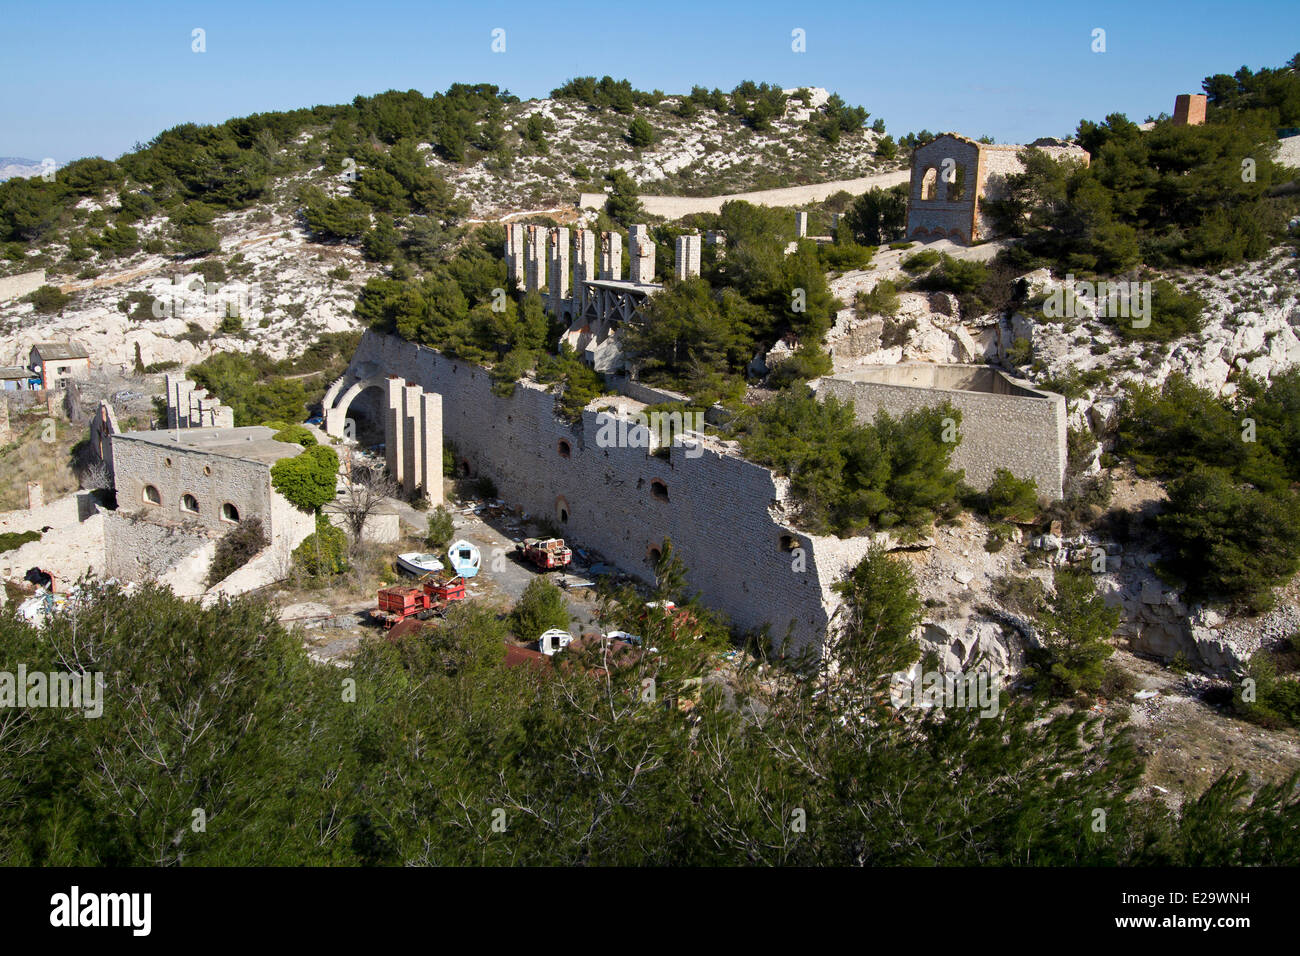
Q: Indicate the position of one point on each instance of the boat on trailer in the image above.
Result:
(418, 564)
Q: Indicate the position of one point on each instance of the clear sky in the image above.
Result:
(94, 78)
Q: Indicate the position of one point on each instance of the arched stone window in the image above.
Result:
(957, 188)
(929, 183)
(229, 513)
(561, 510)
(189, 503)
(659, 490)
(564, 448)
(151, 495)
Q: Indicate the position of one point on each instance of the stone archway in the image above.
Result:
(336, 406)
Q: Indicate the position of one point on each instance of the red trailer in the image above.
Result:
(429, 598)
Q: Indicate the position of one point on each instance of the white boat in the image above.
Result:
(413, 562)
(464, 557)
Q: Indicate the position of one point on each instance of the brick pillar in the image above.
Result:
(687, 257)
(535, 264)
(394, 433)
(431, 422)
(611, 256)
(584, 267)
(558, 267)
(412, 438)
(515, 253)
(642, 251)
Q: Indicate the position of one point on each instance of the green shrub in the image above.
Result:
(48, 299)
(236, 548)
(1009, 498)
(640, 133)
(1021, 352)
(540, 608)
(292, 434)
(1173, 314)
(1077, 625)
(1232, 520)
(920, 261)
(881, 300)
(309, 479)
(323, 553)
(848, 477)
(440, 529)
(1276, 696)
(1023, 595)
(13, 540)
(1228, 539)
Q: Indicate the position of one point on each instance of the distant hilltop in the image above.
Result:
(13, 167)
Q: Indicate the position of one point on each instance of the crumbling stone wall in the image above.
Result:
(137, 549)
(1005, 422)
(952, 174)
(191, 407)
(15, 287)
(932, 210)
(724, 515)
(214, 480)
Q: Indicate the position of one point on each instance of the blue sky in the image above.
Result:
(93, 78)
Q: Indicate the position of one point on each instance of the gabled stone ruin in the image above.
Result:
(952, 176)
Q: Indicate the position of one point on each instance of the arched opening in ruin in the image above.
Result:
(229, 513)
(659, 490)
(929, 183)
(151, 495)
(653, 556)
(561, 510)
(362, 412)
(789, 542)
(189, 503)
(957, 188)
(464, 469)
(564, 448)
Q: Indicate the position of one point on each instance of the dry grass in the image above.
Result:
(28, 458)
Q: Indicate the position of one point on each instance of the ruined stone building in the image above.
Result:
(600, 299)
(411, 420)
(1189, 109)
(191, 407)
(722, 513)
(951, 177)
(177, 490)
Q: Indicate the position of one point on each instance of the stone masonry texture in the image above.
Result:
(720, 511)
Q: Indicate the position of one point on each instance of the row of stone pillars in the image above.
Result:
(413, 438)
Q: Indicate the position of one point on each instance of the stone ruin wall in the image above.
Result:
(719, 512)
(15, 287)
(144, 539)
(1023, 431)
(940, 218)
